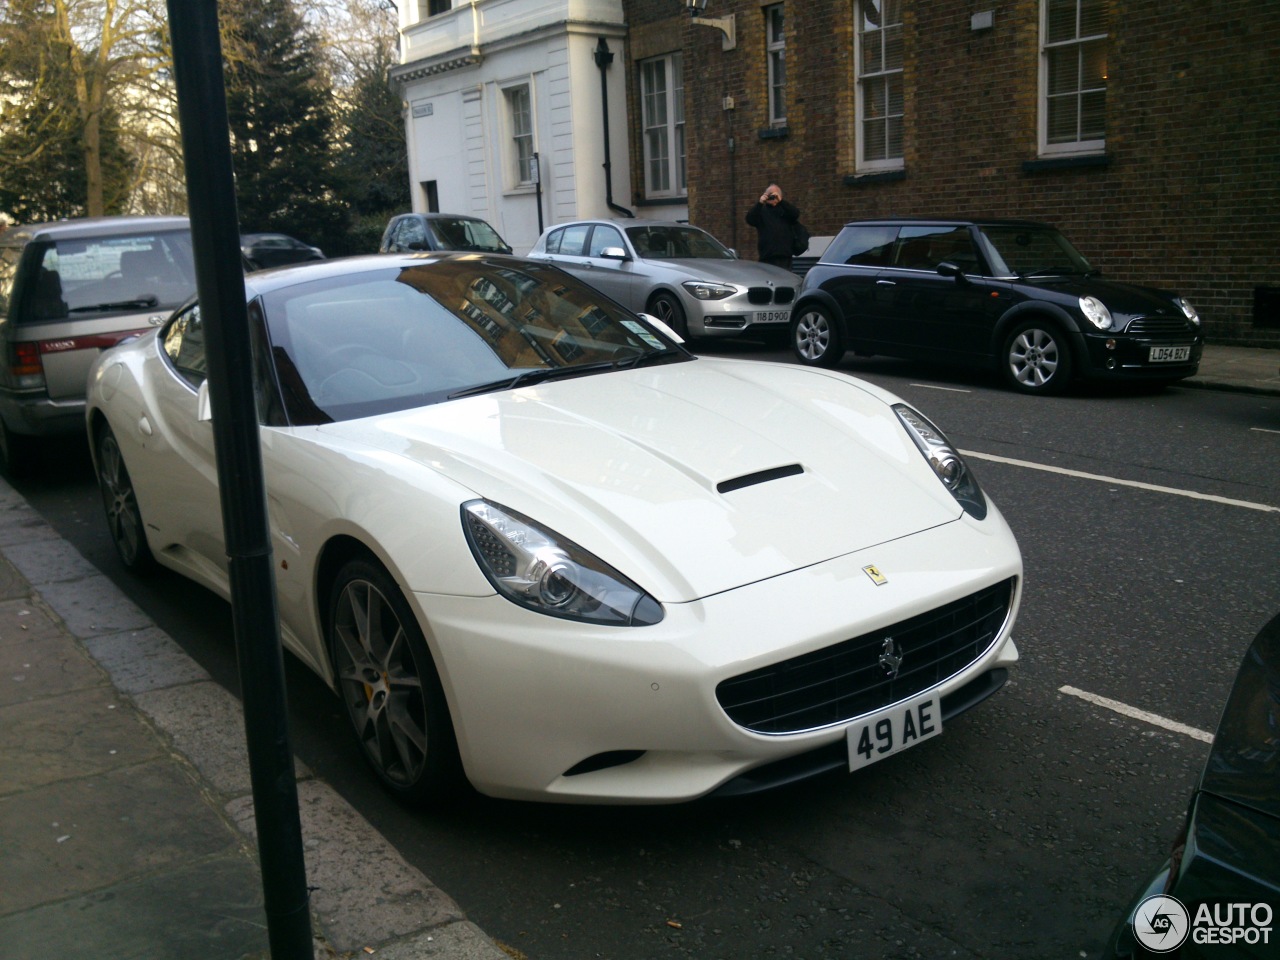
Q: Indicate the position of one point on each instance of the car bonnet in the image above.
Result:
(1244, 764)
(692, 478)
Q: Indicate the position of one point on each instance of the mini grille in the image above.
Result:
(846, 680)
(1158, 325)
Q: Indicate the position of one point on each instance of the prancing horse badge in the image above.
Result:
(878, 578)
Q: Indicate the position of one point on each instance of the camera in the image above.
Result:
(771, 196)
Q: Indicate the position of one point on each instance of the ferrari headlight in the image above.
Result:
(538, 569)
(947, 464)
(1096, 312)
(709, 291)
(1188, 309)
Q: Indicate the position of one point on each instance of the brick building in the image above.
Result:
(1148, 131)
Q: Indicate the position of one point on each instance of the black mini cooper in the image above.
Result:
(997, 294)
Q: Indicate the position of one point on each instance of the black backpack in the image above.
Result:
(799, 238)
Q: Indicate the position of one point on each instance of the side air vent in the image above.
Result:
(763, 476)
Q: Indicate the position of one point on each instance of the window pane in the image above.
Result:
(1062, 120)
(1060, 21)
(894, 99)
(893, 48)
(893, 145)
(775, 24)
(1093, 69)
(1093, 17)
(1064, 70)
(1093, 116)
(874, 140)
(872, 51)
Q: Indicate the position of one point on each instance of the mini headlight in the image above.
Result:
(535, 568)
(1096, 312)
(948, 466)
(709, 291)
(1188, 309)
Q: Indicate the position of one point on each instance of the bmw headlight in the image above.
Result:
(1188, 309)
(535, 568)
(947, 465)
(1096, 312)
(709, 291)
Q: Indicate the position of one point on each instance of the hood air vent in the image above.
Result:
(762, 476)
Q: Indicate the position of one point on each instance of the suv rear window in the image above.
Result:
(102, 275)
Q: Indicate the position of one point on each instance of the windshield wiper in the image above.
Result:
(665, 355)
(138, 303)
(537, 375)
(543, 374)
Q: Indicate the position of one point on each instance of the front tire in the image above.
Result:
(668, 309)
(389, 683)
(1036, 358)
(816, 339)
(120, 501)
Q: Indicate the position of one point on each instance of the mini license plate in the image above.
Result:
(1168, 354)
(772, 316)
(888, 733)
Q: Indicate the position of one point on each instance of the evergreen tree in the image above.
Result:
(45, 139)
(375, 161)
(280, 110)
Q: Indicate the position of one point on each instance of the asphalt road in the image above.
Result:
(1021, 832)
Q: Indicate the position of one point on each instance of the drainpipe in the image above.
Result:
(604, 57)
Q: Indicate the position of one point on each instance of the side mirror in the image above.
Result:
(614, 253)
(204, 408)
(948, 269)
(654, 321)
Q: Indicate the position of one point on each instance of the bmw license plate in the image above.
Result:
(892, 731)
(1168, 354)
(772, 316)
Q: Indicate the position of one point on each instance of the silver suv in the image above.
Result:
(69, 290)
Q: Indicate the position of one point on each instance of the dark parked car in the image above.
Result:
(440, 231)
(1227, 853)
(263, 250)
(68, 290)
(1005, 295)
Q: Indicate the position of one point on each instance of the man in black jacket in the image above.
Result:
(774, 220)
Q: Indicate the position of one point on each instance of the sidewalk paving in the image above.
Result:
(126, 816)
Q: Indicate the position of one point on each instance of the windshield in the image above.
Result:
(100, 275)
(375, 342)
(1020, 250)
(676, 243)
(458, 233)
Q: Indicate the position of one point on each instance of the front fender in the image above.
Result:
(1061, 319)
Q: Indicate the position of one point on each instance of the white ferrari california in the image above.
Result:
(535, 544)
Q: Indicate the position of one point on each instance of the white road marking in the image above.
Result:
(1128, 711)
(1265, 507)
(1263, 430)
(930, 386)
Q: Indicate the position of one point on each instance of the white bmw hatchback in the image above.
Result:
(536, 545)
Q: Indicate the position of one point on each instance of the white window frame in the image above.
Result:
(519, 142)
(1079, 42)
(662, 122)
(888, 74)
(776, 58)
(425, 11)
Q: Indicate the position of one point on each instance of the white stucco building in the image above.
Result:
(488, 84)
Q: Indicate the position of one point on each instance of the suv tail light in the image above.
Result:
(25, 370)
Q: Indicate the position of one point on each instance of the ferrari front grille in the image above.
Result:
(858, 676)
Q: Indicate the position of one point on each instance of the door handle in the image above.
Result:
(886, 283)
